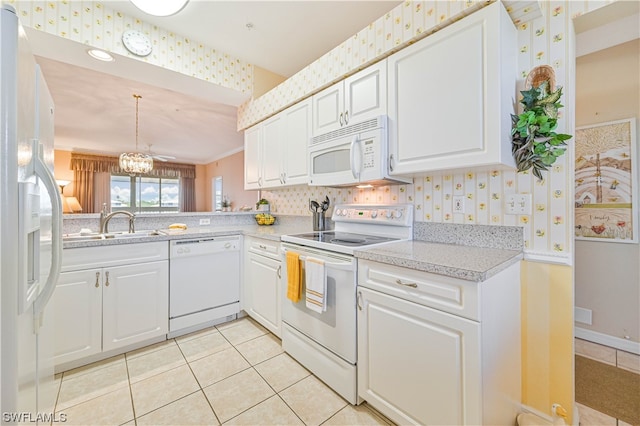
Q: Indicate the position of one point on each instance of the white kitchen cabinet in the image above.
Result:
(77, 315)
(135, 303)
(352, 100)
(253, 157)
(296, 135)
(439, 350)
(451, 96)
(276, 150)
(121, 302)
(263, 271)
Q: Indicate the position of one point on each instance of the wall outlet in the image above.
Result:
(205, 221)
(518, 204)
(458, 203)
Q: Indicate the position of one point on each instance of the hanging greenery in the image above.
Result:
(535, 144)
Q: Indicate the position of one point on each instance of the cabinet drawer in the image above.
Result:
(264, 247)
(76, 259)
(447, 294)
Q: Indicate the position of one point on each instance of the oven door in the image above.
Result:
(334, 329)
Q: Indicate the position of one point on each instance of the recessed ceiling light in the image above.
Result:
(100, 55)
(160, 8)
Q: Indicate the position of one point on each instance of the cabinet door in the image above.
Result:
(262, 290)
(135, 303)
(253, 157)
(449, 111)
(77, 315)
(272, 143)
(328, 109)
(296, 137)
(418, 365)
(365, 94)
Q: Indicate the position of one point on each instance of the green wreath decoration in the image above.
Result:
(535, 144)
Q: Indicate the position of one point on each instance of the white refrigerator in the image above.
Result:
(30, 231)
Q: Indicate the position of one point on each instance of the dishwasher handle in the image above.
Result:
(203, 247)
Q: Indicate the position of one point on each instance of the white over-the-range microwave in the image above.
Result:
(353, 155)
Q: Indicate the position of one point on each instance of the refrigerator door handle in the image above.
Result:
(48, 180)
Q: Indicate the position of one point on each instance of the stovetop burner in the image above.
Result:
(343, 238)
(359, 226)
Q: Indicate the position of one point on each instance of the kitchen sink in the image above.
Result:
(110, 235)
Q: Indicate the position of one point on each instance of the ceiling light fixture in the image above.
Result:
(160, 8)
(135, 163)
(100, 55)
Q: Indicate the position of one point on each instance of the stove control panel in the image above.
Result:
(394, 214)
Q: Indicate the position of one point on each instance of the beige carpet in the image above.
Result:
(608, 389)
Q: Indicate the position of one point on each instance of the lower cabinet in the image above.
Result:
(263, 271)
(110, 307)
(438, 350)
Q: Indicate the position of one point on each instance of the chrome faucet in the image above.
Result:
(106, 217)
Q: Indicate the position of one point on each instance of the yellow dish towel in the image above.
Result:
(293, 276)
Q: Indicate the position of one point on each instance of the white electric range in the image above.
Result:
(326, 342)
(357, 226)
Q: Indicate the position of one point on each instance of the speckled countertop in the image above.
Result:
(469, 252)
(464, 262)
(267, 232)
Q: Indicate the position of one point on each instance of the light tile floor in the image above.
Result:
(607, 355)
(235, 373)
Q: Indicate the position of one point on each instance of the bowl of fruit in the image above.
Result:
(265, 219)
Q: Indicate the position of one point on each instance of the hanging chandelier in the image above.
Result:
(136, 163)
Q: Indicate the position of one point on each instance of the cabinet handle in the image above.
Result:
(391, 163)
(341, 115)
(359, 301)
(106, 275)
(279, 271)
(284, 178)
(227, 245)
(346, 117)
(412, 285)
(260, 181)
(262, 246)
(97, 279)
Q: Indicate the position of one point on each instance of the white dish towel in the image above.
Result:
(315, 284)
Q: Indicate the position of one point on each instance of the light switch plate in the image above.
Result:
(205, 221)
(518, 204)
(458, 203)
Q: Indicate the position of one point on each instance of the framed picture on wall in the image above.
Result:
(606, 180)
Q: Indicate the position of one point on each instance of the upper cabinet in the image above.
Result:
(451, 96)
(276, 150)
(253, 157)
(357, 98)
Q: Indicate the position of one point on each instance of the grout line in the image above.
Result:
(290, 408)
(133, 406)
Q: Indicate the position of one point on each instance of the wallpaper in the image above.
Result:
(94, 24)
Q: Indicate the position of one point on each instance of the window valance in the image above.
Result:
(103, 163)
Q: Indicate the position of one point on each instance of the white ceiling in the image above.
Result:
(181, 116)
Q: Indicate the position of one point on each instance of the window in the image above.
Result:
(140, 194)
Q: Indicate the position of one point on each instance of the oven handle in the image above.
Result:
(343, 266)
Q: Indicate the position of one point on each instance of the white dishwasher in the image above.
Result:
(204, 282)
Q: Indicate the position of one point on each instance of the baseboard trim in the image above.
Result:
(544, 416)
(607, 340)
(547, 417)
